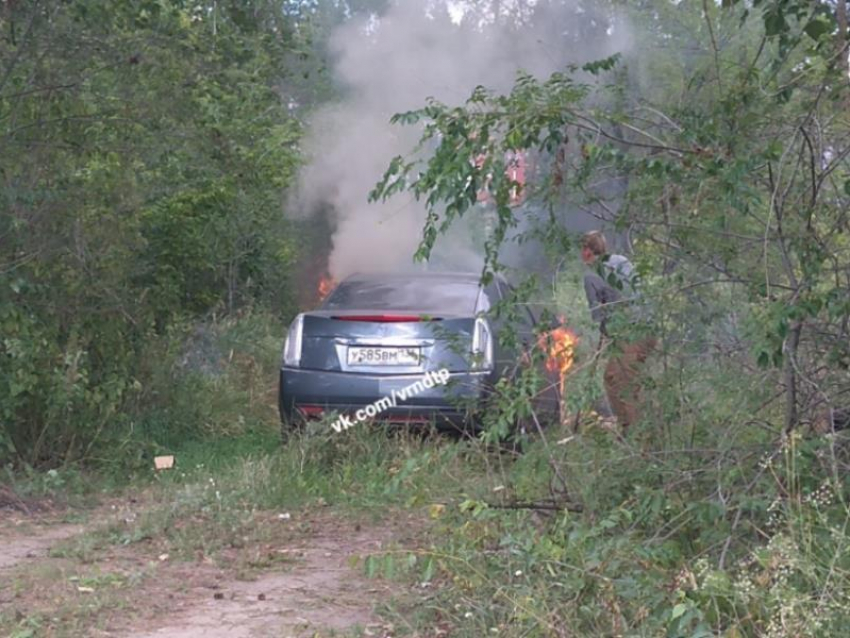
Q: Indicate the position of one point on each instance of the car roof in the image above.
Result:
(456, 293)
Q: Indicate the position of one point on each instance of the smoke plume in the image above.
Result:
(393, 63)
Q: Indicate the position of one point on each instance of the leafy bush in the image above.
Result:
(145, 157)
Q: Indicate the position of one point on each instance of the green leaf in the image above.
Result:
(389, 567)
(428, 572)
(816, 28)
(371, 566)
(605, 64)
(774, 23)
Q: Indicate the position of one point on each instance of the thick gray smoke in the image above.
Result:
(393, 64)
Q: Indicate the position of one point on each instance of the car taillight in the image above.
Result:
(292, 346)
(482, 346)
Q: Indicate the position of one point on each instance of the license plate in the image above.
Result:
(383, 356)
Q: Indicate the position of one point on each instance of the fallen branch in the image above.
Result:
(8, 498)
(546, 506)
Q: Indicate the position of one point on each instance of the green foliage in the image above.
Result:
(472, 144)
(147, 148)
(733, 178)
(142, 192)
(730, 141)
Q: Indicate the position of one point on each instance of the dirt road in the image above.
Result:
(320, 593)
(59, 579)
(31, 542)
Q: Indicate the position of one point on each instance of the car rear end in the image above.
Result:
(375, 339)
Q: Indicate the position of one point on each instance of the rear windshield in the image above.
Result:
(430, 297)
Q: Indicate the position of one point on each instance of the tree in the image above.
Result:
(146, 153)
(741, 182)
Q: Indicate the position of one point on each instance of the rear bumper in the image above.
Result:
(312, 393)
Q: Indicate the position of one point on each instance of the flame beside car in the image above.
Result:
(559, 345)
(326, 284)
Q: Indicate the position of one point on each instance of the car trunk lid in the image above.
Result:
(379, 342)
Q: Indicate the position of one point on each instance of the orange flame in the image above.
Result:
(326, 284)
(559, 345)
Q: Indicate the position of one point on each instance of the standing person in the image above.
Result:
(610, 288)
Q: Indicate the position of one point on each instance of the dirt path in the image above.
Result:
(31, 541)
(320, 593)
(308, 588)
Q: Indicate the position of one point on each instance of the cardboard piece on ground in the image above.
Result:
(163, 462)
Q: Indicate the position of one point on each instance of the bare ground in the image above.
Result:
(299, 582)
(29, 542)
(321, 592)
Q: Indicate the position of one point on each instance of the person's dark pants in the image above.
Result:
(622, 379)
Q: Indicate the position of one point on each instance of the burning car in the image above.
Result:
(373, 335)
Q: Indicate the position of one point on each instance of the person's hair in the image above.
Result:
(595, 242)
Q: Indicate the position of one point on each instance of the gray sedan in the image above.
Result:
(376, 338)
